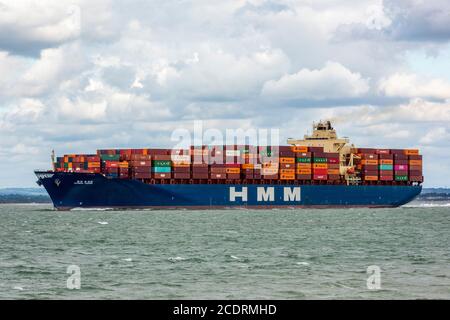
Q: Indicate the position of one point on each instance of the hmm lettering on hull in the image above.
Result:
(265, 194)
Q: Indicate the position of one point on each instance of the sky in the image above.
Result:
(82, 75)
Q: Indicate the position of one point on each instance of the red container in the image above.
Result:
(218, 170)
(370, 172)
(140, 157)
(199, 165)
(320, 171)
(200, 170)
(398, 151)
(415, 173)
(159, 152)
(415, 157)
(386, 178)
(386, 156)
(233, 176)
(257, 176)
(370, 167)
(111, 164)
(416, 178)
(334, 177)
(333, 166)
(200, 175)
(287, 165)
(137, 151)
(219, 176)
(287, 153)
(401, 172)
(161, 157)
(181, 170)
(141, 169)
(270, 176)
(141, 175)
(158, 175)
(303, 155)
(320, 177)
(333, 160)
(178, 175)
(400, 156)
(146, 163)
(93, 159)
(248, 175)
(415, 168)
(383, 151)
(369, 156)
(315, 149)
(332, 155)
(401, 162)
(303, 177)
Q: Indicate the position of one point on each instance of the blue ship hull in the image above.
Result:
(86, 190)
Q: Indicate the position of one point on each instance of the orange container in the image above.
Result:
(287, 160)
(233, 170)
(93, 164)
(370, 162)
(303, 171)
(411, 152)
(415, 162)
(333, 171)
(303, 165)
(386, 161)
(287, 171)
(123, 164)
(270, 165)
(287, 176)
(181, 164)
(371, 178)
(320, 165)
(248, 166)
(299, 149)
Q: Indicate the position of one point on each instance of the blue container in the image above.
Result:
(162, 169)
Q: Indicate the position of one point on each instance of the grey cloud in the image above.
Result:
(411, 21)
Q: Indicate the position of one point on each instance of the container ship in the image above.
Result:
(319, 171)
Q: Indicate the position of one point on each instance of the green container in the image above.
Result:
(110, 157)
(162, 163)
(401, 178)
(320, 160)
(386, 167)
(304, 160)
(66, 165)
(85, 166)
(162, 169)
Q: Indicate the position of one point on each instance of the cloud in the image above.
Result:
(332, 81)
(27, 27)
(411, 85)
(131, 72)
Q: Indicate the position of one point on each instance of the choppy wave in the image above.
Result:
(426, 205)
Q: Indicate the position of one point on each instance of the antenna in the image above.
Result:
(53, 160)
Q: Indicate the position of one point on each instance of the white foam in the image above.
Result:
(234, 257)
(303, 263)
(18, 288)
(426, 205)
(102, 222)
(127, 259)
(175, 259)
